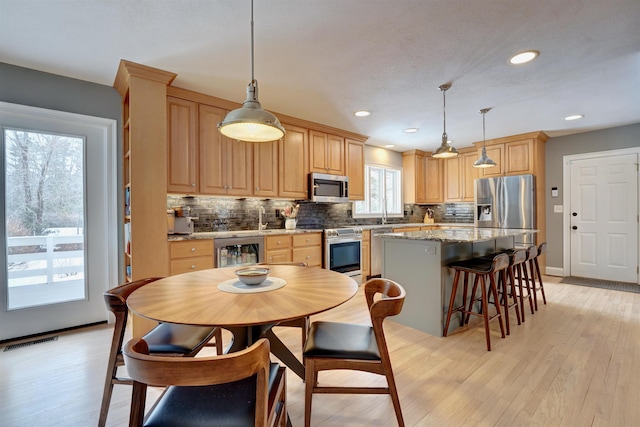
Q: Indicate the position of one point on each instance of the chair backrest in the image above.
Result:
(389, 304)
(532, 252)
(146, 369)
(542, 249)
(500, 262)
(518, 256)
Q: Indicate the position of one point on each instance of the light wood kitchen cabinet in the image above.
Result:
(303, 247)
(265, 169)
(326, 153)
(293, 155)
(307, 247)
(354, 160)
(422, 178)
(278, 248)
(225, 165)
(182, 171)
(190, 255)
(365, 265)
(459, 176)
(515, 155)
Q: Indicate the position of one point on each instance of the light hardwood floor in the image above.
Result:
(573, 363)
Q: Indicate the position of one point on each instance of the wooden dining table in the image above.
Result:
(196, 299)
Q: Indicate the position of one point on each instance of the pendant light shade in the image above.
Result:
(250, 122)
(445, 150)
(484, 161)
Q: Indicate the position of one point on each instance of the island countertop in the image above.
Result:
(458, 235)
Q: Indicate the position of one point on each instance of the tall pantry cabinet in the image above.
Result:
(144, 127)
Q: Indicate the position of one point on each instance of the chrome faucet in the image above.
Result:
(261, 226)
(384, 213)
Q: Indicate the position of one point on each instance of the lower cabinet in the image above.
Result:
(303, 247)
(190, 255)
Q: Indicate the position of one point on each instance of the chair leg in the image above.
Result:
(532, 278)
(218, 337)
(452, 301)
(310, 379)
(493, 289)
(505, 300)
(514, 297)
(138, 398)
(393, 391)
(485, 311)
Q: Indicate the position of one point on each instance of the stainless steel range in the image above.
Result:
(343, 250)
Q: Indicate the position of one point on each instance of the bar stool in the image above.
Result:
(516, 266)
(508, 287)
(534, 266)
(481, 268)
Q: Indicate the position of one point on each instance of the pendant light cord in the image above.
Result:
(444, 114)
(252, 75)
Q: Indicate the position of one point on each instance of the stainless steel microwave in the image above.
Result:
(328, 188)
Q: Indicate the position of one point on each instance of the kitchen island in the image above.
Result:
(418, 261)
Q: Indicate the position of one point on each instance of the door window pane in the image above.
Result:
(44, 211)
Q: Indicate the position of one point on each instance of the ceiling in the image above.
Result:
(321, 60)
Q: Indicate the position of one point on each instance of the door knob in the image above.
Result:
(574, 214)
(575, 227)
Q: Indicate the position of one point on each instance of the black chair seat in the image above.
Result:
(481, 265)
(169, 338)
(231, 404)
(342, 340)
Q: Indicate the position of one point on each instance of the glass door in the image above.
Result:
(58, 256)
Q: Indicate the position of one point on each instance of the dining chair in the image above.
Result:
(235, 389)
(332, 346)
(303, 322)
(165, 339)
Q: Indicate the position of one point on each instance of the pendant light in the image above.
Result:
(445, 150)
(250, 122)
(484, 161)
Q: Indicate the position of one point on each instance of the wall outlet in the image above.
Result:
(557, 208)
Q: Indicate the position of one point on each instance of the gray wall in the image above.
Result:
(588, 142)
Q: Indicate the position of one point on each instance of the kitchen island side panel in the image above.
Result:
(417, 265)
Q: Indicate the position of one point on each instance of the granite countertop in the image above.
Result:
(460, 235)
(238, 233)
(417, 224)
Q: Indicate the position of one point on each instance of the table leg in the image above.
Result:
(243, 337)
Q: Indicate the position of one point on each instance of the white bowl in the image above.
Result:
(253, 275)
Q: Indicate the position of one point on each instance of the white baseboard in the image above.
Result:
(554, 271)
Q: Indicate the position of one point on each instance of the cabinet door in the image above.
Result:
(495, 153)
(282, 255)
(433, 186)
(452, 192)
(311, 255)
(182, 146)
(265, 169)
(318, 152)
(238, 157)
(292, 167)
(366, 259)
(212, 164)
(420, 179)
(335, 155)
(186, 265)
(519, 157)
(354, 153)
(468, 175)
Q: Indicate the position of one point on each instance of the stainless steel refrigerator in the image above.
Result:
(506, 202)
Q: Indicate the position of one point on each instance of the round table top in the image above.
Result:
(194, 298)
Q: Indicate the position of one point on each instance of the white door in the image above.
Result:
(603, 217)
(58, 219)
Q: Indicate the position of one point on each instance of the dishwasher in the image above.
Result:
(376, 250)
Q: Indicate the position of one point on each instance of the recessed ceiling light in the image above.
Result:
(389, 146)
(411, 130)
(574, 117)
(524, 57)
(362, 113)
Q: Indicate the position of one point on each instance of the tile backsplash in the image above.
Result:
(230, 214)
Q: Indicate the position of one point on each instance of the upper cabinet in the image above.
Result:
(265, 169)
(183, 147)
(293, 157)
(460, 175)
(422, 182)
(326, 153)
(354, 161)
(515, 155)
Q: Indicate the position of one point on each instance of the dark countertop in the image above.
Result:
(459, 235)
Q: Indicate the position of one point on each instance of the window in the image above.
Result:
(383, 193)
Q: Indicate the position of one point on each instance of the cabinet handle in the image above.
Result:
(308, 256)
(193, 266)
(193, 184)
(257, 188)
(193, 249)
(279, 242)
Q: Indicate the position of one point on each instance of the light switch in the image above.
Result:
(554, 191)
(557, 208)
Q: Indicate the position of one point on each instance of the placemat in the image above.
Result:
(235, 286)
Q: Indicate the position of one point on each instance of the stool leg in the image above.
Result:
(522, 270)
(485, 311)
(452, 301)
(514, 297)
(537, 264)
(465, 288)
(494, 291)
(502, 286)
(512, 279)
(473, 298)
(532, 273)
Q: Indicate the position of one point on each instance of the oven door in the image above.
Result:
(344, 256)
